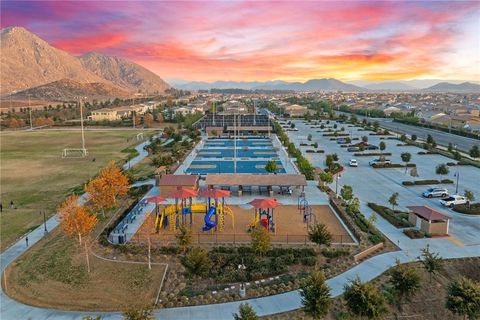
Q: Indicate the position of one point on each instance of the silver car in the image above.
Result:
(435, 192)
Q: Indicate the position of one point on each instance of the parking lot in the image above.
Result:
(377, 185)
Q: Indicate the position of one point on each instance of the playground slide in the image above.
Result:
(208, 223)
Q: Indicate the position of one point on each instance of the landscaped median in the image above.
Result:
(426, 182)
(473, 208)
(372, 154)
(397, 218)
(393, 165)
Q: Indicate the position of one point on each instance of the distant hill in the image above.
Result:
(123, 73)
(389, 86)
(27, 61)
(311, 85)
(451, 87)
(68, 90)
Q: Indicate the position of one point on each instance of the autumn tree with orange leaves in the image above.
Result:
(75, 219)
(110, 184)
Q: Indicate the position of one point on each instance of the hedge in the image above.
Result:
(426, 182)
(314, 151)
(361, 154)
(416, 234)
(393, 165)
(473, 209)
(398, 218)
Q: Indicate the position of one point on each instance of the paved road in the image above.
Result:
(442, 138)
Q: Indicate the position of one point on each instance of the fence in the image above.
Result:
(242, 238)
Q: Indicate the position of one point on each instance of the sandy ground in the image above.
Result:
(290, 227)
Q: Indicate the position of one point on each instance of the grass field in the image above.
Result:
(35, 177)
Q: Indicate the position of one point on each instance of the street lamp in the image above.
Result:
(242, 267)
(337, 176)
(457, 175)
(44, 221)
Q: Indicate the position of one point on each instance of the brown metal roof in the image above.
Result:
(178, 180)
(428, 213)
(256, 180)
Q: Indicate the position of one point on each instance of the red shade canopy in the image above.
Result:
(183, 194)
(156, 199)
(214, 193)
(264, 203)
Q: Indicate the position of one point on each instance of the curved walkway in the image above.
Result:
(367, 270)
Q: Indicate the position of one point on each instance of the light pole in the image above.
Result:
(30, 110)
(44, 221)
(242, 267)
(337, 176)
(457, 175)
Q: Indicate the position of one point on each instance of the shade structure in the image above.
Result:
(183, 194)
(264, 203)
(156, 199)
(214, 193)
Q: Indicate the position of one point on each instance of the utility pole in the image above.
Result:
(457, 175)
(81, 125)
(30, 110)
(133, 112)
(44, 222)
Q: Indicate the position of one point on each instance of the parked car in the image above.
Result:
(453, 200)
(371, 147)
(353, 149)
(435, 192)
(341, 141)
(379, 161)
(353, 163)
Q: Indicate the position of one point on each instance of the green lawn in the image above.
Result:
(36, 177)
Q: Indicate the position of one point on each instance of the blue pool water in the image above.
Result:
(266, 152)
(243, 166)
(260, 143)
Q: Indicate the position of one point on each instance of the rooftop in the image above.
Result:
(428, 213)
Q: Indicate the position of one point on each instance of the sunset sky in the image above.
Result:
(245, 41)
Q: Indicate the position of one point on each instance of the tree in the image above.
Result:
(364, 300)
(138, 313)
(382, 146)
(75, 219)
(260, 240)
(406, 157)
(376, 125)
(372, 219)
(197, 262)
(365, 139)
(414, 173)
(214, 132)
(442, 169)
(319, 234)
(116, 181)
(148, 120)
(393, 200)
(309, 138)
(271, 166)
(354, 206)
(450, 147)
(245, 312)
(432, 262)
(184, 237)
(315, 293)
(414, 137)
(470, 196)
(405, 280)
(403, 138)
(475, 151)
(347, 193)
(430, 139)
(463, 298)
(361, 147)
(326, 177)
(99, 195)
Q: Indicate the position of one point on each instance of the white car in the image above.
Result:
(379, 161)
(353, 163)
(453, 200)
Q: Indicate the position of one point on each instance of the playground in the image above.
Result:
(212, 220)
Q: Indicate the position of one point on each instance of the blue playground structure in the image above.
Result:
(306, 211)
(209, 224)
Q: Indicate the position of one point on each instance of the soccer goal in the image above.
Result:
(74, 153)
(140, 136)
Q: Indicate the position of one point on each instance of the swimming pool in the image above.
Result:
(241, 153)
(260, 143)
(243, 166)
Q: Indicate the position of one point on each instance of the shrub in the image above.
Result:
(335, 253)
(197, 262)
(414, 233)
(309, 261)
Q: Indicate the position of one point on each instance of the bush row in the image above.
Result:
(314, 151)
(397, 218)
(393, 165)
(426, 182)
(369, 154)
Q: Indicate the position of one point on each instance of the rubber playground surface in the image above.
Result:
(290, 227)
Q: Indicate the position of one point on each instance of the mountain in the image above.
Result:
(399, 84)
(452, 87)
(123, 73)
(28, 61)
(311, 85)
(389, 86)
(70, 90)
